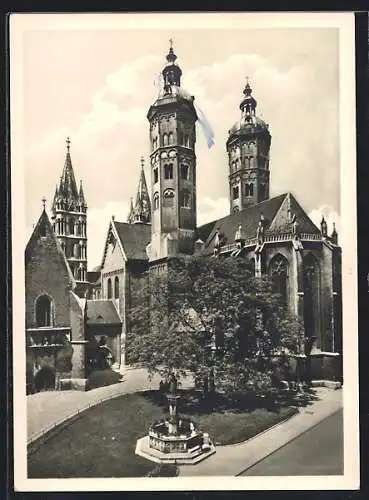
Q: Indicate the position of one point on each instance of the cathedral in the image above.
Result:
(67, 305)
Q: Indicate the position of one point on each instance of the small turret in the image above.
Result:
(334, 235)
(323, 227)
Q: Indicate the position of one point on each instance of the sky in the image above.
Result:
(96, 87)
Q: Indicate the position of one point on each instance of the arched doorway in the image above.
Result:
(44, 380)
(311, 297)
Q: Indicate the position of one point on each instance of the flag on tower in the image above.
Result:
(206, 127)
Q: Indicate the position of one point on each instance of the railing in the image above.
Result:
(270, 238)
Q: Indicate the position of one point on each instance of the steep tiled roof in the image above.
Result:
(276, 212)
(249, 218)
(134, 238)
(102, 312)
(93, 276)
(45, 224)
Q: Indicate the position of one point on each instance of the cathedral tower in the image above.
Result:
(69, 217)
(172, 120)
(248, 148)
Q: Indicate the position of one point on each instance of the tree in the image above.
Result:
(212, 316)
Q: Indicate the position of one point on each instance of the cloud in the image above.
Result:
(209, 209)
(296, 96)
(330, 215)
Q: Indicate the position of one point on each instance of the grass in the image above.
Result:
(101, 443)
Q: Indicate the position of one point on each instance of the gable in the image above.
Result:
(113, 257)
(290, 207)
(47, 273)
(249, 219)
(134, 238)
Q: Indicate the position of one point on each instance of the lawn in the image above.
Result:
(101, 443)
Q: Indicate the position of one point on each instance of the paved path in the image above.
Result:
(45, 409)
(233, 460)
(319, 451)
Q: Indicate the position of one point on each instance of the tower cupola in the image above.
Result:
(172, 72)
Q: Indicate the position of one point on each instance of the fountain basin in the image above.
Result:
(177, 442)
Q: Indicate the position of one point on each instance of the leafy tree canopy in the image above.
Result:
(212, 312)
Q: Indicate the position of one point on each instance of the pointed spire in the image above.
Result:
(55, 200)
(130, 217)
(81, 195)
(68, 187)
(142, 206)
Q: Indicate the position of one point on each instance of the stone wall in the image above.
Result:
(46, 273)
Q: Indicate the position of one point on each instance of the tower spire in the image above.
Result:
(140, 212)
(69, 216)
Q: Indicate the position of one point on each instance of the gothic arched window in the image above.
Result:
(71, 225)
(109, 289)
(171, 138)
(156, 175)
(185, 199)
(43, 311)
(156, 201)
(168, 171)
(165, 139)
(249, 189)
(184, 171)
(278, 270)
(116, 287)
(311, 296)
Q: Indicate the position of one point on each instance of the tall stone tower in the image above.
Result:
(172, 120)
(69, 217)
(248, 148)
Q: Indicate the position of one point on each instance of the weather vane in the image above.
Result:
(171, 42)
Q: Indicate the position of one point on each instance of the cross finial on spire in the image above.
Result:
(68, 143)
(171, 42)
(44, 202)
